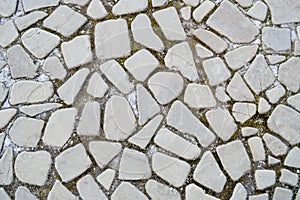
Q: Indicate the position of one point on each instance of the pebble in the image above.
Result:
(264, 178)
(186, 12)
(193, 192)
(128, 191)
(96, 10)
(275, 94)
(258, 11)
(35, 109)
(202, 52)
(77, 2)
(97, 87)
(9, 33)
(123, 7)
(238, 90)
(6, 115)
(89, 122)
(239, 192)
(54, 68)
(157, 190)
(29, 5)
(4, 195)
(275, 145)
(294, 101)
(276, 40)
(282, 194)
(243, 111)
(275, 59)
(288, 74)
(24, 193)
(288, 177)
(257, 149)
(6, 167)
(88, 189)
(106, 178)
(27, 20)
(158, 3)
(59, 191)
(8, 7)
(203, 10)
(249, 131)
(293, 158)
(264, 196)
(263, 106)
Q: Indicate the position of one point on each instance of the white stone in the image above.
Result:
(8, 7)
(249, 131)
(89, 122)
(103, 151)
(203, 10)
(97, 86)
(273, 161)
(9, 33)
(199, 96)
(244, 3)
(112, 39)
(263, 106)
(229, 154)
(59, 191)
(77, 51)
(221, 94)
(70, 89)
(293, 158)
(209, 174)
(165, 86)
(275, 145)
(6, 115)
(288, 177)
(106, 178)
(23, 134)
(181, 118)
(4, 195)
(88, 189)
(33, 167)
(157, 190)
(170, 24)
(127, 191)
(77, 2)
(257, 149)
(238, 90)
(6, 167)
(282, 193)
(2, 138)
(202, 52)
(180, 57)
(298, 32)
(297, 48)
(243, 111)
(239, 192)
(119, 120)
(96, 10)
(264, 178)
(35, 109)
(288, 74)
(171, 169)
(275, 94)
(60, 127)
(54, 68)
(258, 11)
(72, 162)
(65, 21)
(158, 3)
(29, 19)
(294, 101)
(193, 3)
(3, 93)
(276, 40)
(193, 192)
(216, 71)
(30, 92)
(38, 4)
(123, 7)
(141, 64)
(24, 193)
(275, 59)
(264, 196)
(186, 12)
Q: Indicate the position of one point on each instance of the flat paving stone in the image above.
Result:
(294, 101)
(257, 148)
(199, 96)
(3, 194)
(96, 10)
(106, 178)
(6, 167)
(128, 191)
(29, 19)
(287, 74)
(258, 11)
(239, 57)
(239, 192)
(8, 7)
(288, 177)
(76, 2)
(60, 191)
(203, 10)
(238, 90)
(6, 115)
(89, 122)
(264, 178)
(157, 190)
(38, 4)
(292, 159)
(97, 87)
(275, 94)
(123, 7)
(243, 111)
(203, 52)
(275, 145)
(89, 189)
(276, 40)
(54, 68)
(282, 193)
(24, 193)
(193, 192)
(35, 109)
(9, 33)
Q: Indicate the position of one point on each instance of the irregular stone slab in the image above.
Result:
(258, 11)
(166, 86)
(103, 152)
(70, 89)
(203, 52)
(24, 193)
(54, 68)
(119, 120)
(29, 19)
(97, 86)
(170, 24)
(193, 192)
(124, 7)
(112, 39)
(294, 101)
(33, 167)
(127, 191)
(288, 74)
(96, 10)
(4, 195)
(20, 63)
(60, 127)
(23, 134)
(171, 169)
(249, 131)
(257, 148)
(243, 111)
(141, 64)
(8, 7)
(65, 21)
(273, 161)
(199, 96)
(134, 165)
(264, 196)
(186, 12)
(77, 51)
(293, 158)
(180, 57)
(158, 190)
(275, 94)
(9, 33)
(6, 167)
(181, 118)
(30, 92)
(117, 75)
(275, 59)
(209, 174)
(59, 191)
(6, 115)
(264, 178)
(285, 121)
(221, 94)
(72, 162)
(263, 106)
(39, 42)
(3, 93)
(282, 193)
(238, 90)
(29, 5)
(221, 122)
(88, 189)
(230, 153)
(229, 21)
(203, 10)
(106, 178)
(33, 110)
(2, 137)
(77, 2)
(216, 71)
(288, 177)
(89, 122)
(239, 192)
(276, 40)
(176, 144)
(275, 145)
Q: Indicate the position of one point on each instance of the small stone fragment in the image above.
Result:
(6, 167)
(3, 93)
(6, 115)
(35, 109)
(276, 40)
(38, 4)
(294, 101)
(288, 74)
(275, 145)
(88, 189)
(2, 138)
(244, 3)
(288, 177)
(24, 193)
(263, 106)
(282, 194)
(249, 131)
(106, 178)
(77, 2)
(275, 59)
(127, 191)
(59, 191)
(243, 111)
(203, 10)
(264, 178)
(158, 191)
(123, 7)
(186, 12)
(257, 149)
(273, 161)
(54, 68)
(7, 8)
(264, 196)
(97, 86)
(293, 158)
(193, 192)
(29, 19)
(202, 52)
(275, 93)
(89, 122)
(9, 33)
(96, 10)
(238, 90)
(258, 11)
(221, 94)
(239, 192)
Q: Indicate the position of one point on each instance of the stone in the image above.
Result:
(8, 7)
(72, 162)
(104, 151)
(203, 10)
(59, 191)
(96, 10)
(249, 131)
(134, 165)
(2, 138)
(238, 90)
(157, 190)
(165, 86)
(275, 59)
(106, 178)
(64, 21)
(293, 158)
(141, 64)
(229, 21)
(288, 74)
(297, 48)
(239, 57)
(117, 75)
(213, 41)
(209, 174)
(3, 93)
(24, 193)
(275, 94)
(263, 106)
(54, 68)
(9, 33)
(181, 118)
(77, 2)
(245, 3)
(243, 111)
(6, 167)
(108, 47)
(35, 109)
(39, 42)
(273, 161)
(171, 169)
(257, 149)
(193, 192)
(170, 24)
(239, 192)
(29, 5)
(202, 52)
(221, 122)
(158, 3)
(77, 51)
(124, 7)
(6, 115)
(186, 12)
(264, 178)
(275, 145)
(27, 20)
(294, 101)
(127, 191)
(276, 40)
(88, 189)
(30, 92)
(23, 134)
(180, 57)
(282, 193)
(89, 122)
(259, 75)
(97, 87)
(216, 71)
(193, 3)
(60, 127)
(70, 89)
(264, 196)
(4, 195)
(199, 96)
(230, 153)
(20, 63)
(258, 11)
(285, 121)
(221, 94)
(33, 167)
(119, 120)
(288, 177)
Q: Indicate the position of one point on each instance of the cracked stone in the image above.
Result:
(264, 178)
(276, 40)
(6, 167)
(288, 74)
(243, 111)
(38, 4)
(293, 158)
(89, 122)
(203, 10)
(9, 33)
(127, 191)
(257, 149)
(59, 191)
(275, 145)
(96, 10)
(238, 90)
(158, 191)
(106, 178)
(33, 110)
(54, 68)
(97, 87)
(27, 20)
(88, 189)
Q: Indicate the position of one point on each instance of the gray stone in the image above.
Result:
(244, 3)
(96, 10)
(193, 192)
(89, 122)
(106, 178)
(35, 109)
(221, 94)
(264, 178)
(202, 52)
(288, 177)
(123, 7)
(6, 115)
(199, 96)
(257, 149)
(275, 145)
(8, 7)
(294, 101)
(89, 189)
(276, 40)
(6, 167)
(239, 192)
(249, 131)
(282, 194)
(97, 86)
(243, 111)
(264, 196)
(288, 74)
(9, 33)
(29, 19)
(263, 106)
(127, 191)
(275, 59)
(54, 68)
(186, 12)
(4, 195)
(77, 2)
(238, 90)
(258, 11)
(203, 10)
(59, 191)
(38, 4)
(275, 94)
(293, 158)
(159, 191)
(24, 193)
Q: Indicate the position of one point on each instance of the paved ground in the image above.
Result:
(138, 99)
